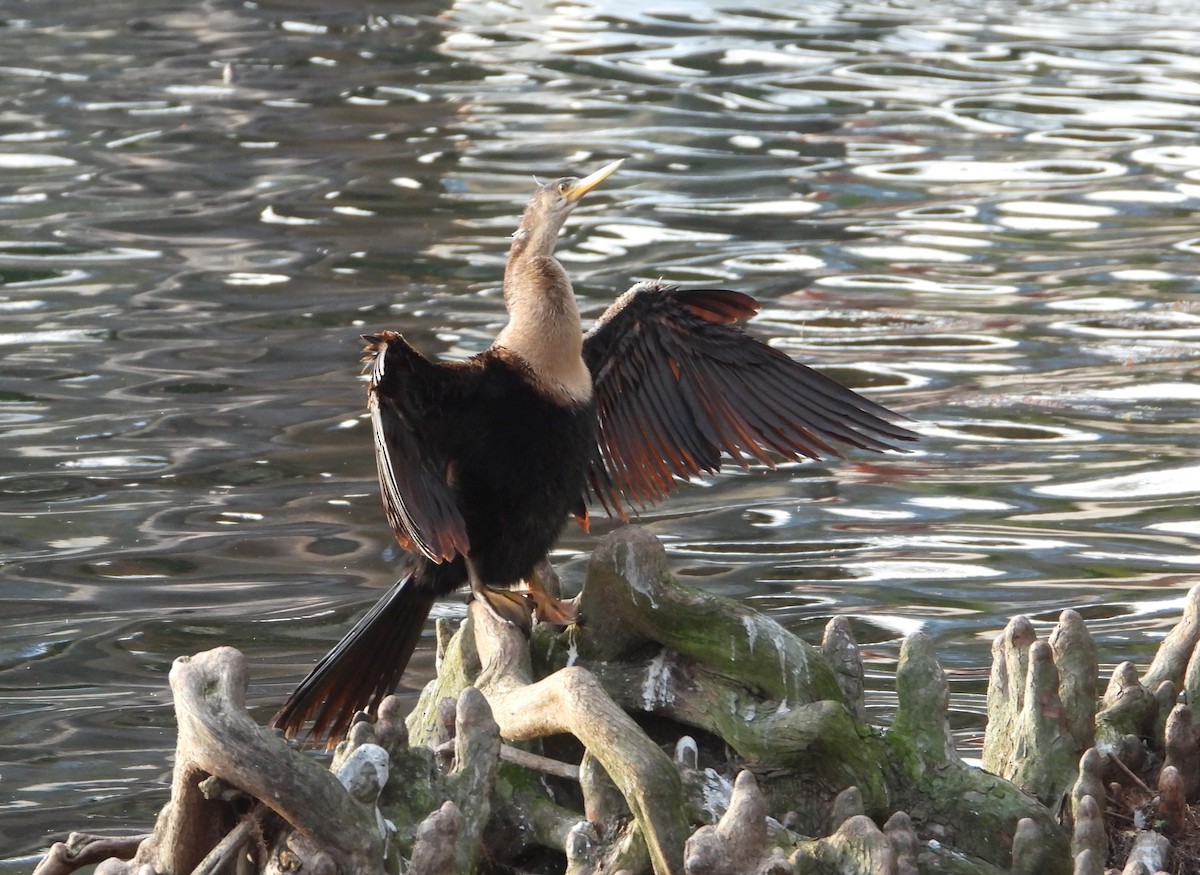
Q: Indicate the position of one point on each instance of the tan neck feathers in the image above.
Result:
(544, 328)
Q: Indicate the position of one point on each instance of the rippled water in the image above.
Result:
(985, 214)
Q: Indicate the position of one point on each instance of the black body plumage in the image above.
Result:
(515, 461)
(514, 465)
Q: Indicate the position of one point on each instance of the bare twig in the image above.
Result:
(525, 759)
(1128, 773)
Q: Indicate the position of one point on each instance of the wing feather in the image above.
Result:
(418, 501)
(677, 384)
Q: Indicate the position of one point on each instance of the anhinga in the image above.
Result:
(481, 461)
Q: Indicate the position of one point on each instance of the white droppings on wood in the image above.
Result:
(572, 650)
(791, 656)
(751, 628)
(387, 829)
(716, 792)
(656, 688)
(624, 561)
(802, 666)
(686, 750)
(784, 708)
(365, 772)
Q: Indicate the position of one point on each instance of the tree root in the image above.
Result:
(774, 770)
(81, 849)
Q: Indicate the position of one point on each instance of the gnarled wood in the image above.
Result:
(652, 649)
(571, 700)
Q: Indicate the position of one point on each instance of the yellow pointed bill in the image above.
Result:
(586, 184)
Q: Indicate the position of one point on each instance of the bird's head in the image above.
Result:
(551, 204)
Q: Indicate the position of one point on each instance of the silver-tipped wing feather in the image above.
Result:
(677, 384)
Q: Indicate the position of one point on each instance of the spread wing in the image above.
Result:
(413, 470)
(677, 384)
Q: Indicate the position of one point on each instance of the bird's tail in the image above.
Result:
(362, 668)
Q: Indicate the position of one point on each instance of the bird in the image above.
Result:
(482, 461)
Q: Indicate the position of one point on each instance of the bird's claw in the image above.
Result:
(506, 606)
(556, 612)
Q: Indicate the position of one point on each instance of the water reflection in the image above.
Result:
(1154, 483)
(985, 217)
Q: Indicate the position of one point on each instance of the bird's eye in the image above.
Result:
(564, 186)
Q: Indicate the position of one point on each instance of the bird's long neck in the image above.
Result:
(543, 326)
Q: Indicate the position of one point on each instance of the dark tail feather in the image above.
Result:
(362, 668)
